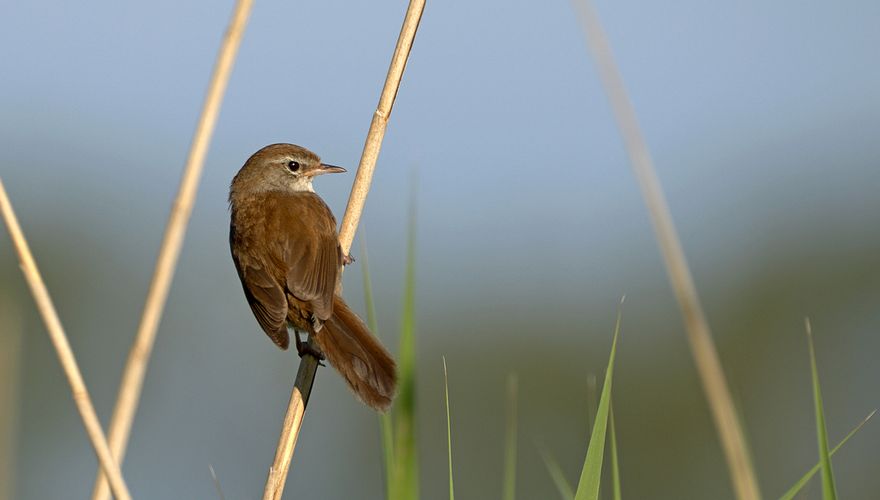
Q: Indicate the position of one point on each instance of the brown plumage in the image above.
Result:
(286, 251)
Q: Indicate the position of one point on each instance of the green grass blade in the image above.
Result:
(615, 469)
(448, 429)
(369, 302)
(562, 484)
(592, 399)
(798, 486)
(829, 492)
(509, 486)
(385, 423)
(591, 474)
(406, 470)
(592, 405)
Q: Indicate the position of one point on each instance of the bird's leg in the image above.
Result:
(303, 348)
(347, 259)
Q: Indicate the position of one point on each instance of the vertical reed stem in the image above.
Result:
(302, 388)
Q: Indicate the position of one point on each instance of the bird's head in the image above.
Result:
(280, 167)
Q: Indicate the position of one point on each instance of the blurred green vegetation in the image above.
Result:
(206, 354)
(538, 309)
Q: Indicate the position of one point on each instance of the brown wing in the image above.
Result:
(311, 252)
(286, 243)
(264, 294)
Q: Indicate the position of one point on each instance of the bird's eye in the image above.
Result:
(293, 166)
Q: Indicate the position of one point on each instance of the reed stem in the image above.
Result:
(62, 348)
(305, 377)
(139, 356)
(733, 441)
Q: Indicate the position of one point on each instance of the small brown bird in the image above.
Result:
(287, 254)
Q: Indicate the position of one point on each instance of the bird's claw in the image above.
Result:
(306, 348)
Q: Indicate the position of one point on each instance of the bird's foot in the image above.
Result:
(306, 348)
(347, 259)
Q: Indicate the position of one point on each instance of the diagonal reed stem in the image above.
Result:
(727, 424)
(139, 356)
(62, 347)
(308, 365)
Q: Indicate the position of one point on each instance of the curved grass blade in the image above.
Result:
(798, 486)
(591, 474)
(448, 429)
(562, 484)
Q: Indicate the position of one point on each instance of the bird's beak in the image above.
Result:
(327, 169)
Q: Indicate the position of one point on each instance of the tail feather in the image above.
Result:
(358, 356)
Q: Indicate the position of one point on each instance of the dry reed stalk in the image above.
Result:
(305, 376)
(727, 424)
(139, 355)
(62, 347)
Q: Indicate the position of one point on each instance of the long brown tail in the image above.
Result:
(350, 347)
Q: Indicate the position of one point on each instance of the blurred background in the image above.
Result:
(763, 121)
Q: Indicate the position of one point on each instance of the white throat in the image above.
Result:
(302, 184)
